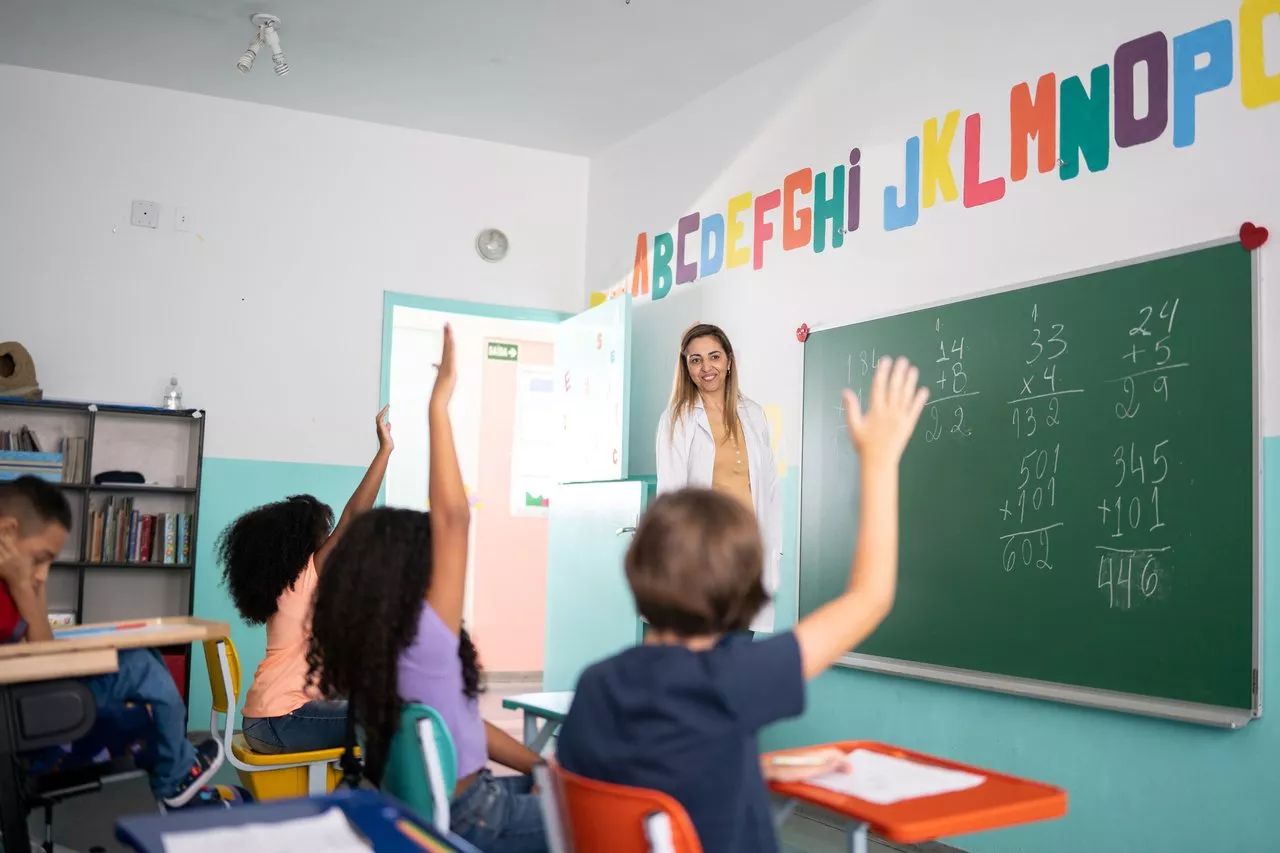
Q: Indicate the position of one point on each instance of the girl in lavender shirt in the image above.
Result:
(387, 629)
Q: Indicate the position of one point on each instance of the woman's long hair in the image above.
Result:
(368, 603)
(684, 392)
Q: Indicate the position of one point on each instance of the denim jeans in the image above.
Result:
(316, 725)
(142, 677)
(499, 814)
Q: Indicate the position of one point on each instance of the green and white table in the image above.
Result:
(549, 708)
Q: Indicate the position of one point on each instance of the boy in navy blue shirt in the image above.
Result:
(680, 713)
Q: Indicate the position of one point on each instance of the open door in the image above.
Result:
(593, 376)
(542, 399)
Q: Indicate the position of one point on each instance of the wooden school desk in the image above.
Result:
(1000, 801)
(385, 825)
(75, 652)
(551, 708)
(127, 634)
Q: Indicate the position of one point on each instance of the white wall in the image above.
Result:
(871, 81)
(270, 309)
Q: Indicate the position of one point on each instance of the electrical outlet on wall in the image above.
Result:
(182, 219)
(146, 214)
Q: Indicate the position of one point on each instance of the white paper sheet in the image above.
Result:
(327, 832)
(885, 780)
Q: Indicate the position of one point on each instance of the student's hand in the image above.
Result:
(896, 403)
(14, 569)
(384, 430)
(831, 761)
(445, 372)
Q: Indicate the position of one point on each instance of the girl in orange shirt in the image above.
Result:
(271, 558)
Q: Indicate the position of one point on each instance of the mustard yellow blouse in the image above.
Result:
(730, 475)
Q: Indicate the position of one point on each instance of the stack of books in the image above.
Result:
(20, 456)
(120, 534)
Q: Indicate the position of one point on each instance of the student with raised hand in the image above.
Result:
(680, 713)
(272, 558)
(387, 630)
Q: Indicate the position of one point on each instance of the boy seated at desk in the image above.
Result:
(34, 521)
(679, 713)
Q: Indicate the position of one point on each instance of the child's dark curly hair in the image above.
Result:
(368, 603)
(263, 551)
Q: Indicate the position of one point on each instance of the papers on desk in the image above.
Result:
(327, 832)
(885, 780)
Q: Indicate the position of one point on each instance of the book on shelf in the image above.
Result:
(73, 451)
(20, 439)
(24, 463)
(118, 533)
(22, 456)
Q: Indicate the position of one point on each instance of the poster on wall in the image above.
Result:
(592, 383)
(533, 444)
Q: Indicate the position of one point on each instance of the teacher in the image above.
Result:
(712, 436)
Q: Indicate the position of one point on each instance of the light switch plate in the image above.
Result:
(146, 214)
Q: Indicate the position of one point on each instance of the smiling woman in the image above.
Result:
(713, 436)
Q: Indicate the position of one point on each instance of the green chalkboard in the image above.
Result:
(1079, 500)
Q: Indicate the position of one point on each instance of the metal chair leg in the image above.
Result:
(857, 834)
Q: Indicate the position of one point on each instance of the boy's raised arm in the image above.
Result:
(880, 435)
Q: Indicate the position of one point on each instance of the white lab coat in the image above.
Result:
(687, 458)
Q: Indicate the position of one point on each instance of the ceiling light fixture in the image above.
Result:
(266, 36)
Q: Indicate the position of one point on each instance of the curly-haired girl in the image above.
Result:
(388, 629)
(272, 557)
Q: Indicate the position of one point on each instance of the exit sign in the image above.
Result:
(504, 352)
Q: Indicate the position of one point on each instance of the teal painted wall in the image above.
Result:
(1135, 784)
(228, 488)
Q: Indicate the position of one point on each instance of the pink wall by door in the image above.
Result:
(509, 604)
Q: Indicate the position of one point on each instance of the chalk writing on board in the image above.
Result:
(1026, 548)
(1037, 411)
(1116, 574)
(1133, 511)
(946, 412)
(1150, 354)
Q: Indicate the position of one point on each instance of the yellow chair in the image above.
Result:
(267, 777)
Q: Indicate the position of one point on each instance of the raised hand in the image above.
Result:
(384, 429)
(881, 433)
(446, 376)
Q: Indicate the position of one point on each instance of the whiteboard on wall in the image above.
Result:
(593, 357)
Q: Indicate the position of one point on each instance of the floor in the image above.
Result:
(86, 824)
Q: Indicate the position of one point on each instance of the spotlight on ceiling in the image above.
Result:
(268, 35)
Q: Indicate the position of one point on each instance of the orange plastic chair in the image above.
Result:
(584, 816)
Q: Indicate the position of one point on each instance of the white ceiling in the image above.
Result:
(564, 75)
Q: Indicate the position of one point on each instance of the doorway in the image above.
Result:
(504, 423)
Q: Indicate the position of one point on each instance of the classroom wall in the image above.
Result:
(269, 310)
(871, 82)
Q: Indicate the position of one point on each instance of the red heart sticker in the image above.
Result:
(1253, 236)
(802, 333)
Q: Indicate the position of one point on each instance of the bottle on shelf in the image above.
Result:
(173, 395)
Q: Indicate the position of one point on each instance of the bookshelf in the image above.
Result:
(166, 447)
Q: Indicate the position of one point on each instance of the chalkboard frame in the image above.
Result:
(1170, 709)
